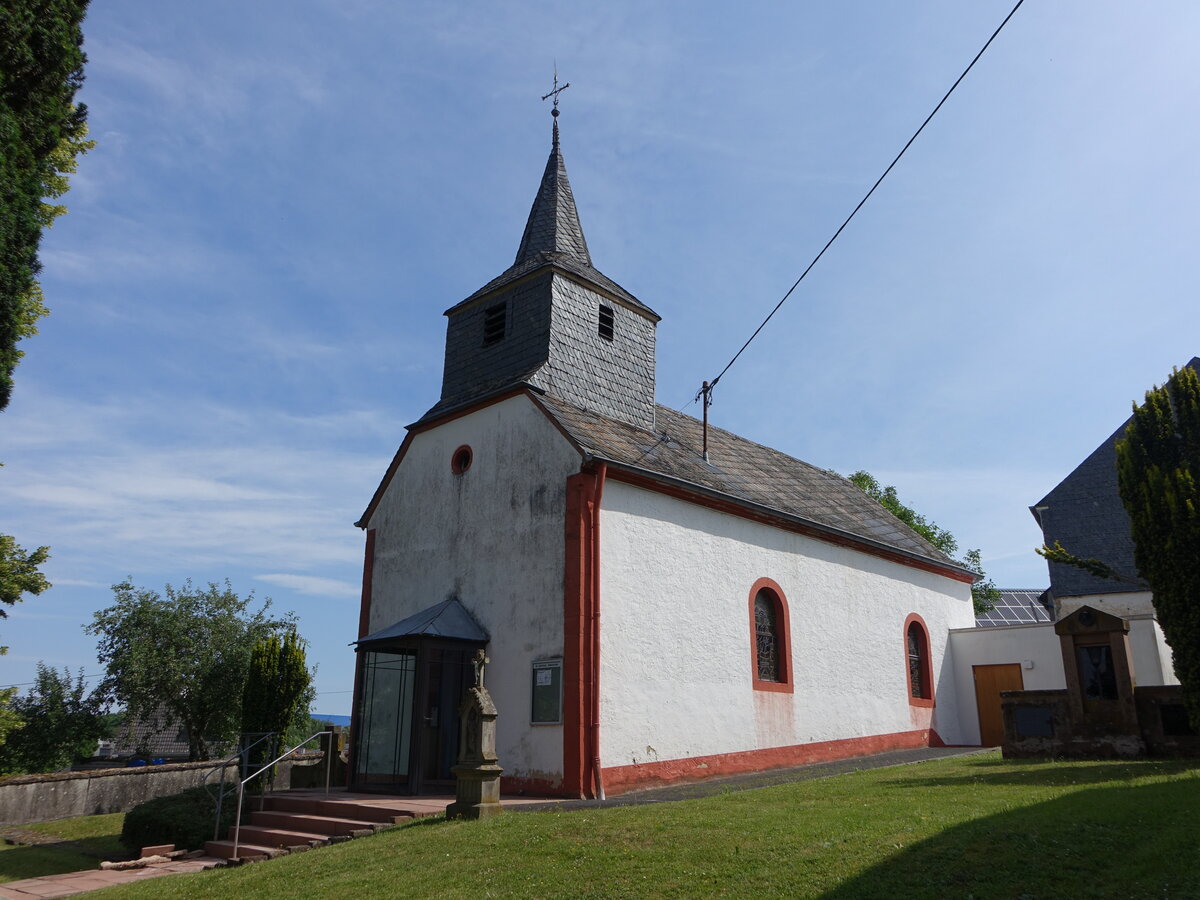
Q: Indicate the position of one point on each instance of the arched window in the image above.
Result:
(770, 638)
(917, 662)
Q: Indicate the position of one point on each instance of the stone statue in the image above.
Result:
(477, 777)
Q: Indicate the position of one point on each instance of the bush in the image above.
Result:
(185, 820)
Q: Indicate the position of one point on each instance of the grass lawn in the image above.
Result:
(80, 843)
(975, 827)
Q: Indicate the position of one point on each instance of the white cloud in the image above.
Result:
(312, 585)
(215, 486)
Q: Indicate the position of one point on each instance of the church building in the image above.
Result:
(651, 612)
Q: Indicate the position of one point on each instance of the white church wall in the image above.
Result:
(1035, 648)
(676, 668)
(493, 537)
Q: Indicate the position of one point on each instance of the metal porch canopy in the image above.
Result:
(449, 620)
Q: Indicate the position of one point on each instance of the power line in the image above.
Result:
(706, 391)
(4, 687)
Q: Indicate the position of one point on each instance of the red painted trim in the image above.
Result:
(597, 771)
(576, 633)
(736, 509)
(533, 787)
(364, 619)
(625, 778)
(926, 699)
(364, 610)
(783, 620)
(416, 429)
(459, 462)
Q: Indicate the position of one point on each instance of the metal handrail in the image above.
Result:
(242, 754)
(223, 764)
(237, 822)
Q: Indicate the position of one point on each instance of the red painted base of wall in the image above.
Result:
(535, 787)
(620, 779)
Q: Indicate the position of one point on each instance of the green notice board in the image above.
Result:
(547, 692)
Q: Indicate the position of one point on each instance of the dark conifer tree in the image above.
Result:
(1158, 474)
(41, 68)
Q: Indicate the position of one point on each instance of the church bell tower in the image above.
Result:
(553, 322)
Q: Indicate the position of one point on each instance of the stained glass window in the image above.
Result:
(916, 661)
(766, 637)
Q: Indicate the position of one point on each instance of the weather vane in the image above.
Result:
(554, 93)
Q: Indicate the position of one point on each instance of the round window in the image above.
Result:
(460, 461)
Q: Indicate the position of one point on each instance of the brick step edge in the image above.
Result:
(224, 850)
(312, 822)
(336, 809)
(266, 835)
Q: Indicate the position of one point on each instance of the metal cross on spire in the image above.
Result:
(554, 93)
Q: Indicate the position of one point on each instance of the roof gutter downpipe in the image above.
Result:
(601, 472)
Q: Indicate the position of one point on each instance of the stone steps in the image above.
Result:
(291, 823)
(268, 836)
(324, 826)
(348, 809)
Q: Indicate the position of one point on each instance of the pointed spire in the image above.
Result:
(553, 225)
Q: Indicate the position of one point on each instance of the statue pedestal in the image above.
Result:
(477, 793)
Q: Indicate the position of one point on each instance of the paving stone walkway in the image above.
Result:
(50, 887)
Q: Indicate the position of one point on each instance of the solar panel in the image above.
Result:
(1017, 607)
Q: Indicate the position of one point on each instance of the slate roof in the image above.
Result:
(1084, 513)
(743, 471)
(448, 619)
(553, 236)
(1017, 607)
(553, 224)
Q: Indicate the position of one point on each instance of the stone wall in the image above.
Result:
(1043, 723)
(1163, 721)
(41, 798)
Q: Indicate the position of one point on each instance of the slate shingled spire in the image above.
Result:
(553, 224)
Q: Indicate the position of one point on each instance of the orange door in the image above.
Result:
(989, 682)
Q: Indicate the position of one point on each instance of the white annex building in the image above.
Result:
(650, 615)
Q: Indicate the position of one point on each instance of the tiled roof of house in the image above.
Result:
(741, 470)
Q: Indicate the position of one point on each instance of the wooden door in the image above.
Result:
(989, 682)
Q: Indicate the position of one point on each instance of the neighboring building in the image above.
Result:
(650, 614)
(1085, 515)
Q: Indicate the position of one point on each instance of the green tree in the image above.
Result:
(62, 723)
(10, 719)
(19, 573)
(185, 654)
(41, 130)
(984, 592)
(278, 691)
(1158, 475)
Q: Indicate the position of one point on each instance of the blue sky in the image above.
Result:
(247, 292)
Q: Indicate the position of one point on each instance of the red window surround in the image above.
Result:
(921, 694)
(461, 459)
(774, 593)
